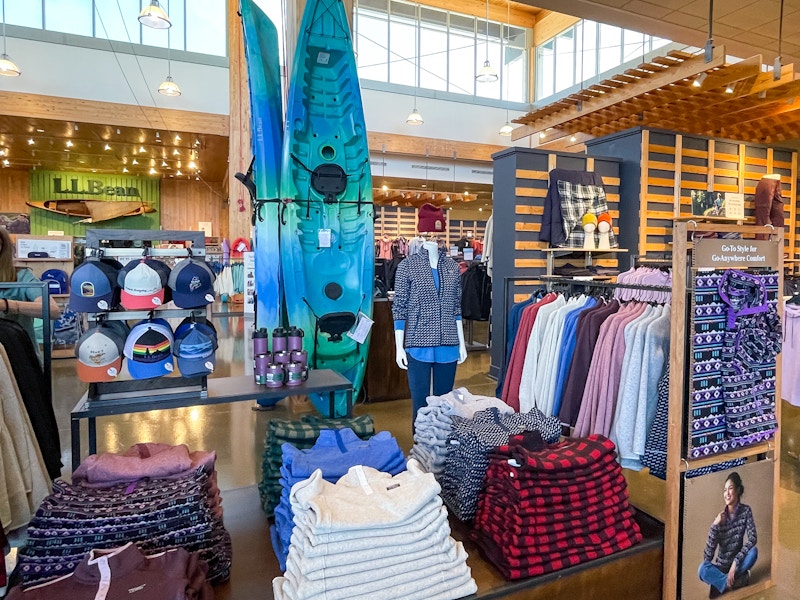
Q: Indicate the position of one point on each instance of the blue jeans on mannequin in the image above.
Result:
(419, 381)
(710, 573)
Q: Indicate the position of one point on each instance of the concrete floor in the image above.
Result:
(236, 432)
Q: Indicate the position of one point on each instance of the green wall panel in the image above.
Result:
(56, 185)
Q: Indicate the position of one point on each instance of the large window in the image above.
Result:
(197, 25)
(586, 50)
(401, 42)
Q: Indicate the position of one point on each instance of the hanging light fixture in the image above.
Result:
(487, 74)
(506, 129)
(168, 87)
(7, 66)
(776, 68)
(154, 16)
(414, 117)
(709, 48)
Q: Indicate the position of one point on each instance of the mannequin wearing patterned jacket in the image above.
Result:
(429, 335)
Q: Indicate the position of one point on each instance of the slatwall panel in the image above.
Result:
(673, 165)
(459, 228)
(520, 186)
(395, 221)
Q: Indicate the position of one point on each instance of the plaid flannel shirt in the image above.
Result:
(576, 201)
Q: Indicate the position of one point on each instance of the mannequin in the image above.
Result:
(589, 225)
(603, 227)
(429, 334)
(769, 202)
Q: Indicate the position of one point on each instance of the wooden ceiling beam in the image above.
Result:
(691, 67)
(434, 148)
(36, 106)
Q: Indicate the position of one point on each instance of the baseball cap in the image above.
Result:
(205, 325)
(192, 284)
(194, 350)
(57, 280)
(142, 282)
(149, 349)
(93, 287)
(99, 352)
(430, 218)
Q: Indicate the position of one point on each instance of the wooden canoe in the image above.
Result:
(94, 211)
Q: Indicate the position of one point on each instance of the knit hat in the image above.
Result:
(192, 284)
(149, 349)
(93, 287)
(589, 219)
(142, 284)
(430, 219)
(99, 352)
(238, 246)
(604, 217)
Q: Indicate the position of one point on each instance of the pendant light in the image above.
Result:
(709, 48)
(7, 66)
(776, 68)
(154, 16)
(414, 117)
(506, 129)
(487, 74)
(168, 87)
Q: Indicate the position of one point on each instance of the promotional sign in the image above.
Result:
(732, 253)
(704, 530)
(249, 259)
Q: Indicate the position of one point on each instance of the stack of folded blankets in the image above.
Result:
(301, 434)
(125, 572)
(334, 453)
(468, 448)
(547, 507)
(433, 424)
(155, 495)
(373, 536)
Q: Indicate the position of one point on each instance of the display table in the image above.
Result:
(144, 396)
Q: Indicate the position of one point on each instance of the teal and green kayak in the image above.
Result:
(263, 178)
(327, 256)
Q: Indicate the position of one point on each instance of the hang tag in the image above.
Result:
(324, 238)
(361, 328)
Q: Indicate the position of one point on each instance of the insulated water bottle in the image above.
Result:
(279, 339)
(260, 341)
(295, 336)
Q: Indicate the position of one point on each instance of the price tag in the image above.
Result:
(361, 328)
(324, 238)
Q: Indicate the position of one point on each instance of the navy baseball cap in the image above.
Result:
(149, 349)
(192, 284)
(93, 287)
(57, 280)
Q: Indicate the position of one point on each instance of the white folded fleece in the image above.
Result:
(364, 497)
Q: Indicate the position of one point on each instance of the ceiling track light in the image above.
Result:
(729, 89)
(699, 80)
(154, 16)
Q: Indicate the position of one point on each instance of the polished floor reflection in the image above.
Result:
(236, 432)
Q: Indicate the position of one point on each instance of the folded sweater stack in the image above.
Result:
(154, 495)
(468, 448)
(301, 434)
(334, 453)
(547, 507)
(434, 423)
(127, 573)
(371, 536)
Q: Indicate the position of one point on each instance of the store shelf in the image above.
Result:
(585, 251)
(718, 458)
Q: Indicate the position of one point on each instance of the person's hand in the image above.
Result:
(732, 575)
(400, 356)
(720, 518)
(462, 345)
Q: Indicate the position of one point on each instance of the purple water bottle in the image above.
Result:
(261, 363)
(296, 373)
(279, 339)
(260, 341)
(295, 338)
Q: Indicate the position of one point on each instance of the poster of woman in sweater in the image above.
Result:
(732, 523)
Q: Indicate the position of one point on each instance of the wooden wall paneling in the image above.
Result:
(239, 142)
(185, 202)
(792, 228)
(15, 191)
